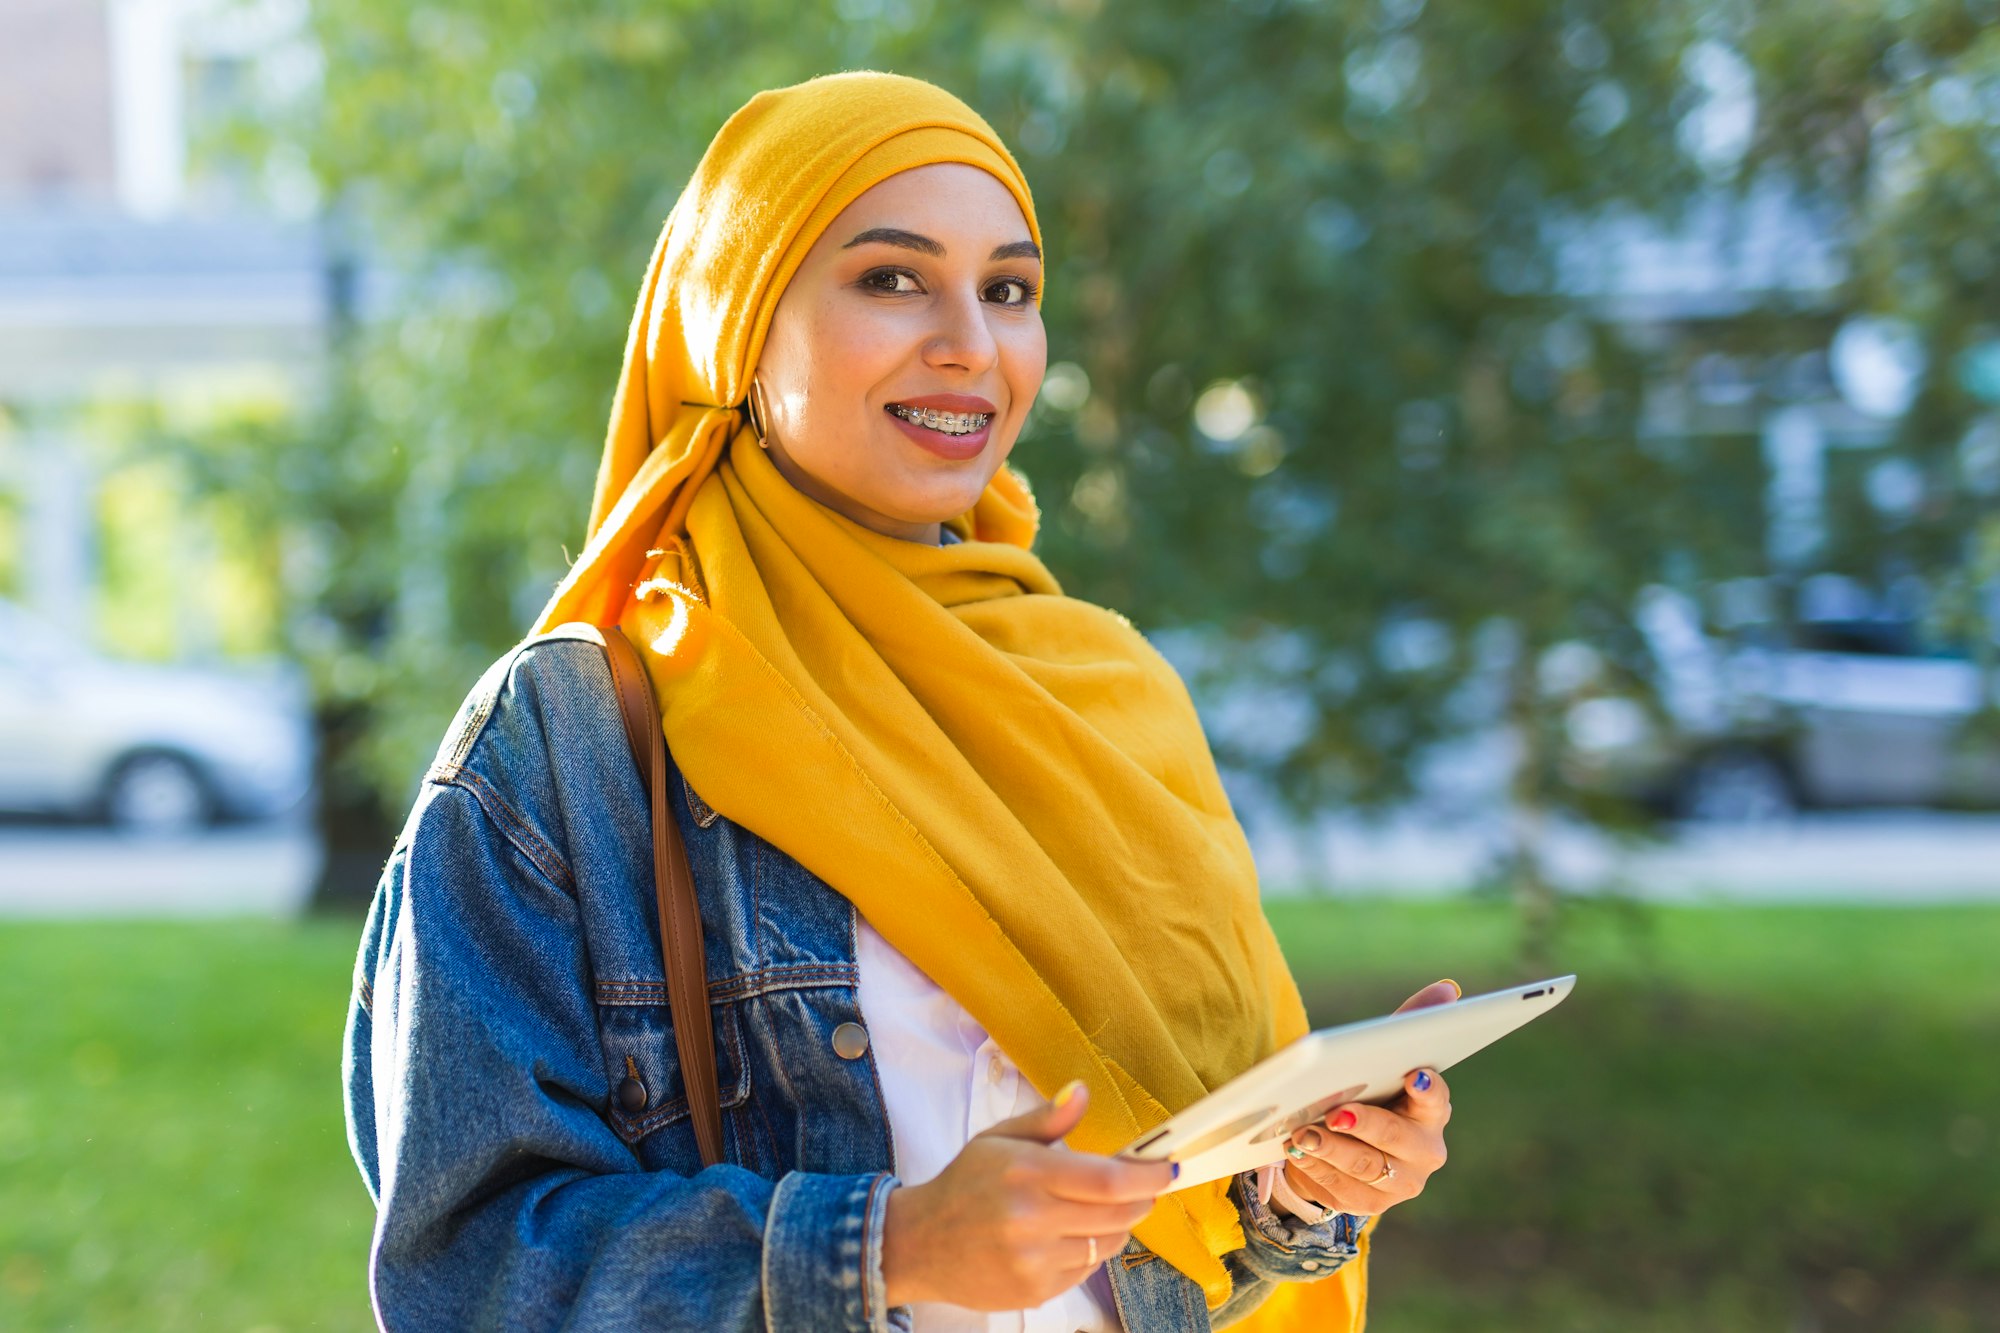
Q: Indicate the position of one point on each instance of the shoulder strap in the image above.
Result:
(673, 891)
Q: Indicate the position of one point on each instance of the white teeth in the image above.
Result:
(948, 423)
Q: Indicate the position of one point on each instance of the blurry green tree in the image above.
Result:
(1893, 112)
(1321, 391)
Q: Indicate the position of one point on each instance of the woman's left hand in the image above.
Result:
(1368, 1159)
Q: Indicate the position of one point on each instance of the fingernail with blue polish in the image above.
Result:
(1177, 1170)
(1423, 1080)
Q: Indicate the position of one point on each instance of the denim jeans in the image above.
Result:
(513, 1094)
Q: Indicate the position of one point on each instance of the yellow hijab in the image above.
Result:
(1010, 784)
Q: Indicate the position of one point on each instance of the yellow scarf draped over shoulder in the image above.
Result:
(1010, 784)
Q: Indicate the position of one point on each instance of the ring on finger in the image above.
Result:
(1388, 1173)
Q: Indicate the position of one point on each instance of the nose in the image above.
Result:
(962, 339)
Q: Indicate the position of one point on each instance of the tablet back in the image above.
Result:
(1243, 1123)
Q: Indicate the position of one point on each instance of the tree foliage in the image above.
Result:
(1325, 388)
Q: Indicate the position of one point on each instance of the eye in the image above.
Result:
(886, 280)
(1023, 289)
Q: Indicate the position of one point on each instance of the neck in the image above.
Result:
(930, 534)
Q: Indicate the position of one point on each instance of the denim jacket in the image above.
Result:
(512, 1091)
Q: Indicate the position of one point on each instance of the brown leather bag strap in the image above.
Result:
(673, 891)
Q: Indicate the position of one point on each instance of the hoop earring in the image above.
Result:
(754, 406)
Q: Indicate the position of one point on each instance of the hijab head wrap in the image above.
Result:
(1011, 785)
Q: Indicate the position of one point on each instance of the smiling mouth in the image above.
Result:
(945, 423)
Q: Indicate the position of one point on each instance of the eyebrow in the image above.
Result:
(911, 240)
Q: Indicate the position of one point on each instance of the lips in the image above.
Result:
(951, 425)
(948, 402)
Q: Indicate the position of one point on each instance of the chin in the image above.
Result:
(931, 506)
(960, 505)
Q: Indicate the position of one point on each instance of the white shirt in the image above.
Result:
(943, 1081)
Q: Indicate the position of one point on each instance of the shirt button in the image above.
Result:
(1310, 1265)
(631, 1095)
(850, 1041)
(994, 1069)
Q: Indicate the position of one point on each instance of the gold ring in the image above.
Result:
(1388, 1172)
(1093, 1250)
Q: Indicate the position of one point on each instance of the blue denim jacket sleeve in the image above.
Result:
(1278, 1248)
(474, 1087)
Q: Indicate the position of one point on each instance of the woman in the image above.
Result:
(958, 838)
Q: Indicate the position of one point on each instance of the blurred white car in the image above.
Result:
(1843, 710)
(145, 747)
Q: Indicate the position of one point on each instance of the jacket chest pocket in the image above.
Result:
(643, 1068)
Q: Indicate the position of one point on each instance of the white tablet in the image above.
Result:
(1243, 1123)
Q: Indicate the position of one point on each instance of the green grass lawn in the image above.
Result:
(1780, 1119)
(1743, 1118)
(172, 1154)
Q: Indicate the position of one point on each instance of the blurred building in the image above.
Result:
(1822, 390)
(138, 267)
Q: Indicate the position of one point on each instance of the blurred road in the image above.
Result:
(1904, 856)
(1890, 856)
(261, 869)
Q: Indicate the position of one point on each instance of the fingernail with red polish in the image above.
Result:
(1345, 1120)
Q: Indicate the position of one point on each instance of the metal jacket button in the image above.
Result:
(631, 1091)
(850, 1041)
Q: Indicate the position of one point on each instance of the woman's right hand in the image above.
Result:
(1006, 1226)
